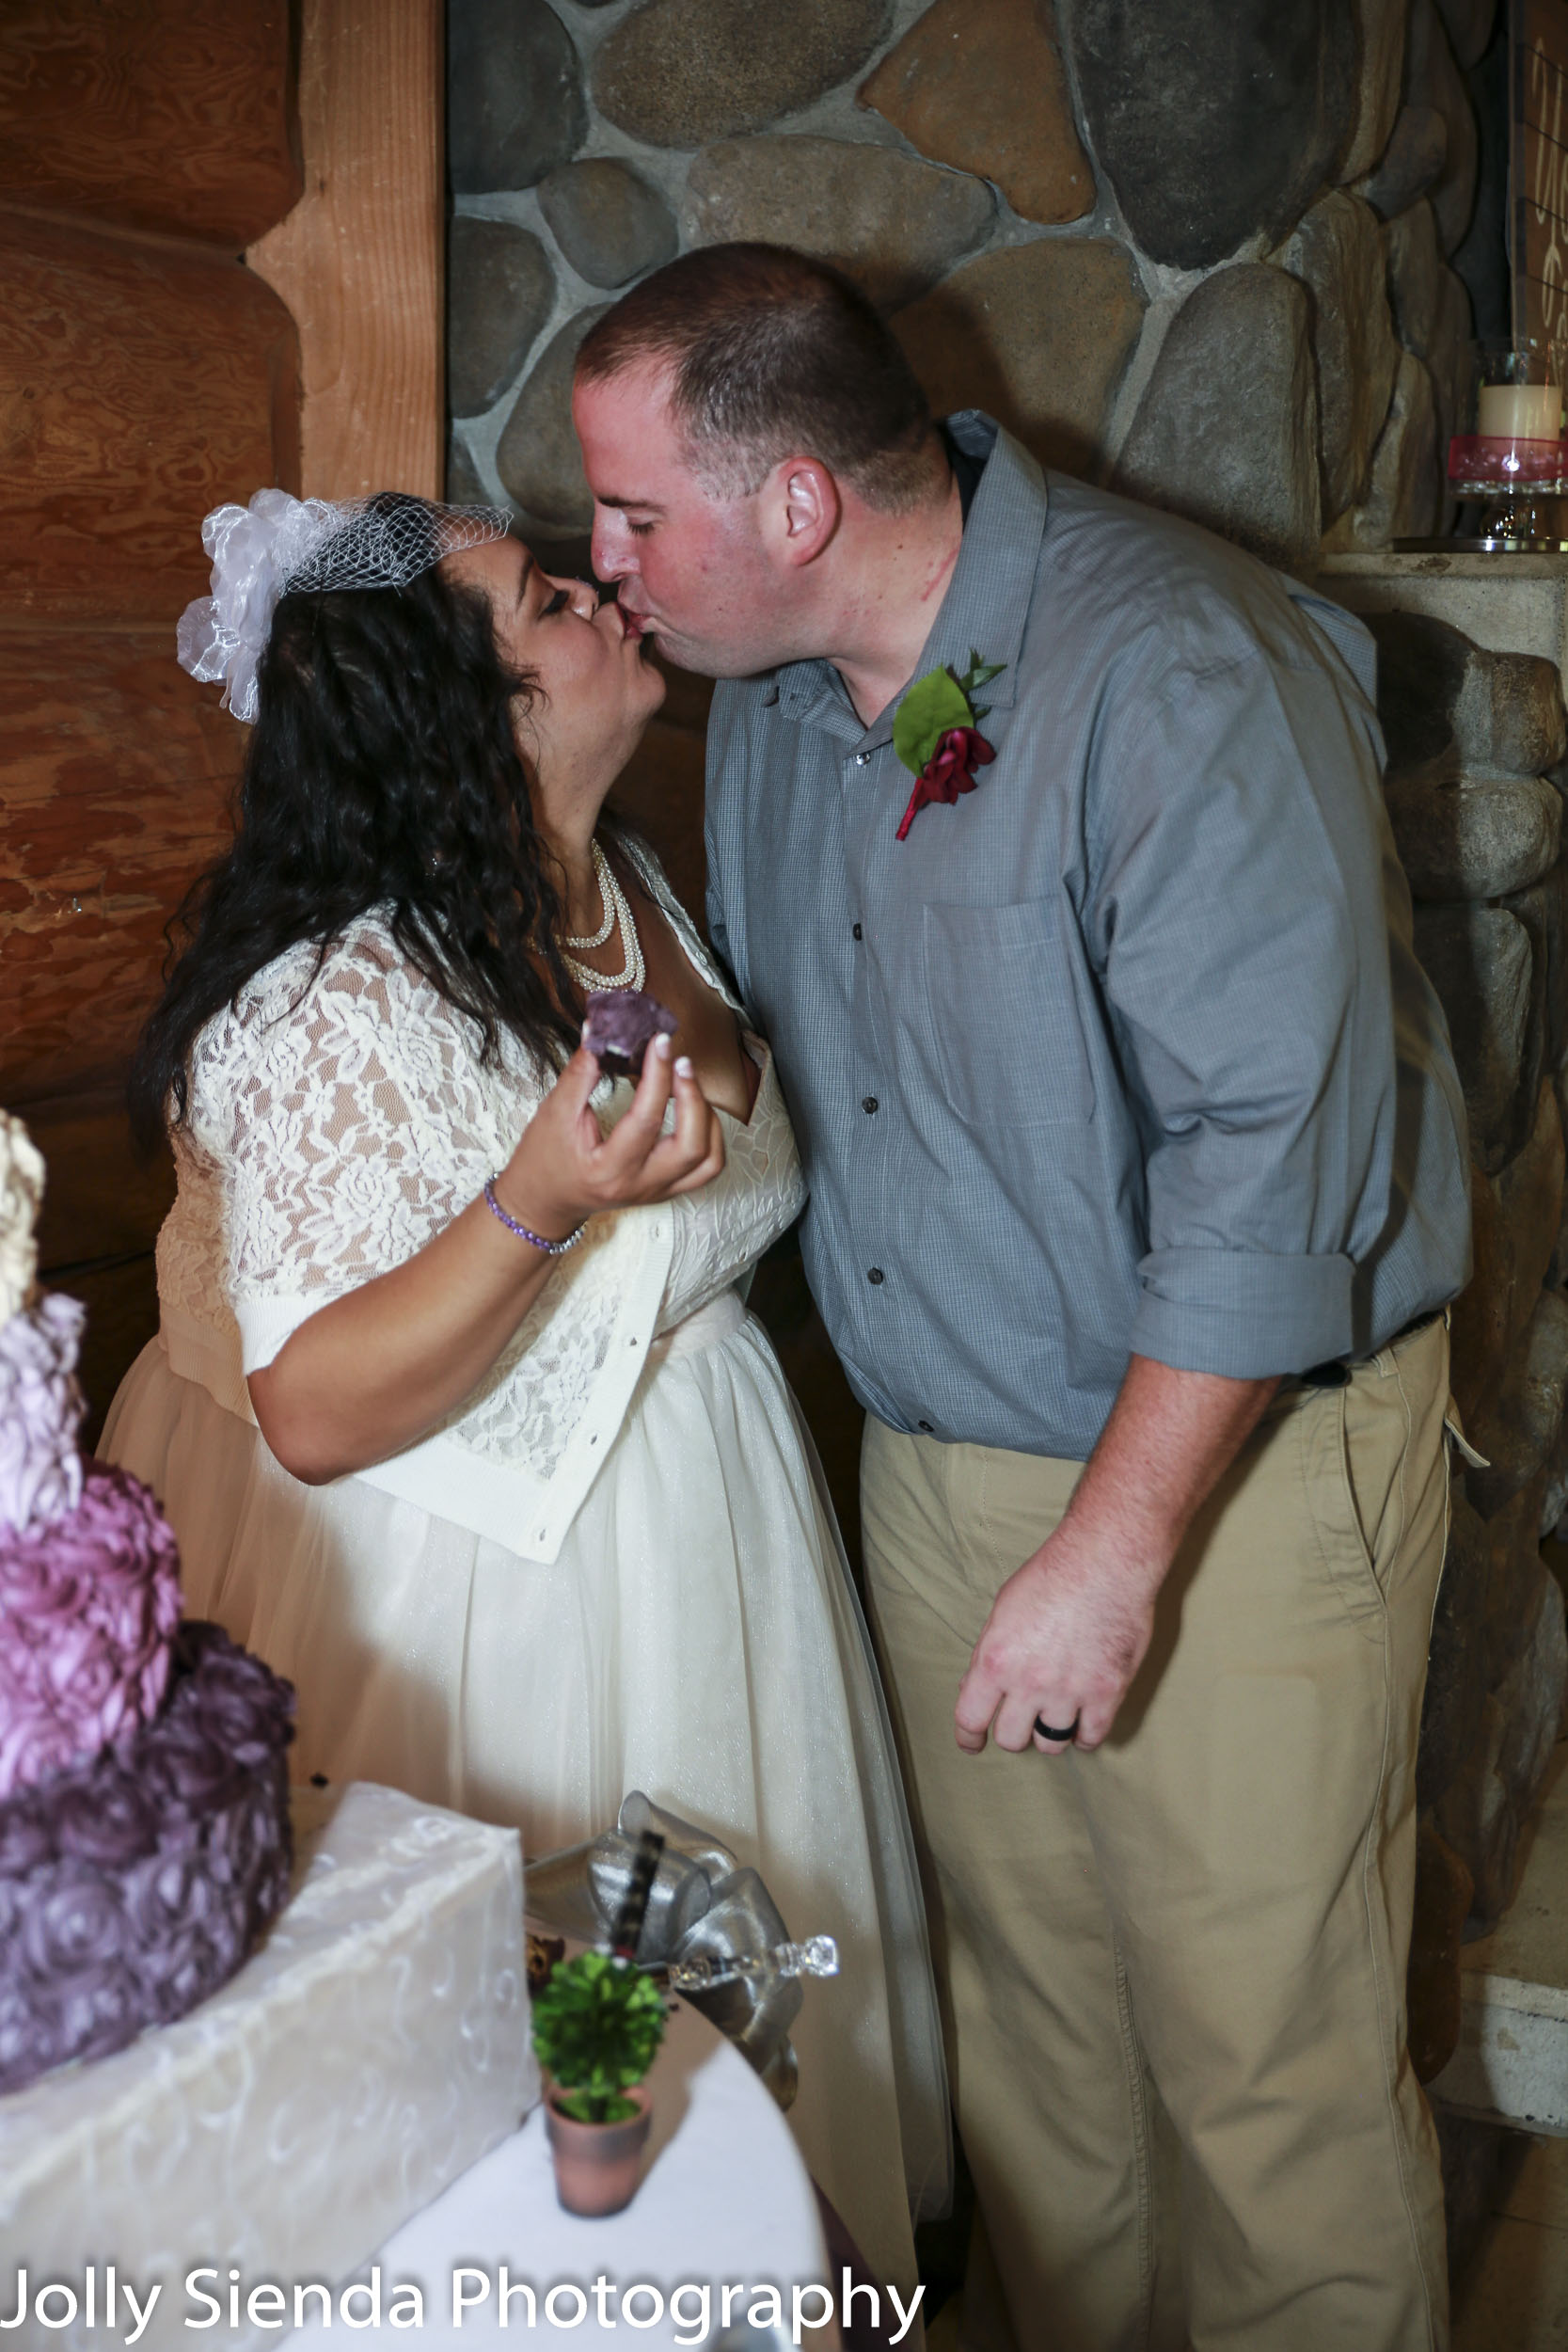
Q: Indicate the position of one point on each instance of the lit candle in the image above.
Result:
(1520, 412)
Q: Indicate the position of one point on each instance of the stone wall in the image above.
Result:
(1477, 741)
(1470, 694)
(1200, 248)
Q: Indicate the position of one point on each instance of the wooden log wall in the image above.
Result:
(145, 374)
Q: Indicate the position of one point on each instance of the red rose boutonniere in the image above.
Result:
(936, 732)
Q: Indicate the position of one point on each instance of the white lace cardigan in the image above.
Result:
(338, 1120)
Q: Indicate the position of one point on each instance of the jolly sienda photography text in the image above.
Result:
(101, 2297)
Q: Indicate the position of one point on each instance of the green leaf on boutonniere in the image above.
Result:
(932, 705)
(980, 672)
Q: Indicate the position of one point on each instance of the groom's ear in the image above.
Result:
(802, 510)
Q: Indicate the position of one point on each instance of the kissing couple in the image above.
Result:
(1058, 964)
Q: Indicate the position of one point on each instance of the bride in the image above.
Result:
(455, 1407)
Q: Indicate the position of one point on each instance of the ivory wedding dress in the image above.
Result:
(615, 1568)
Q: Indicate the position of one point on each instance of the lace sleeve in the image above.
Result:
(354, 1121)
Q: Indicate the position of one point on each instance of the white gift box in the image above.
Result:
(375, 2047)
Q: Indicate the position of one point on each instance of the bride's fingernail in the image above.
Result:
(684, 1067)
(662, 1046)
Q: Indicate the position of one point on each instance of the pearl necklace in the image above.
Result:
(602, 876)
(617, 910)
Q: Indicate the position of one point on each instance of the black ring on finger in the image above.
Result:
(1047, 1732)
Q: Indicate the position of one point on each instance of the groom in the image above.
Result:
(1138, 1186)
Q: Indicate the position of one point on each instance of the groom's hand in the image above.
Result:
(1069, 1629)
(1066, 1635)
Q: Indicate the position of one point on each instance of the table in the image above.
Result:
(725, 2200)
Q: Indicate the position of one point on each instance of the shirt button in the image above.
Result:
(926, 1427)
(869, 1104)
(862, 759)
(876, 1275)
(859, 934)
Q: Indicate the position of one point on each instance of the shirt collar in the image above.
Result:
(986, 609)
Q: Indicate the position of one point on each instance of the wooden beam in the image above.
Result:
(359, 259)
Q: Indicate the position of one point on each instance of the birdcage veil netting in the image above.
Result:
(279, 544)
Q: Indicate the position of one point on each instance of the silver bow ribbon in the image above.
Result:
(703, 1905)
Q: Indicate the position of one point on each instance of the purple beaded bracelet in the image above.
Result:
(535, 1240)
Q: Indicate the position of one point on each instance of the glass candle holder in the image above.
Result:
(1514, 457)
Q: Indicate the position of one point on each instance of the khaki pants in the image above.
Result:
(1174, 1969)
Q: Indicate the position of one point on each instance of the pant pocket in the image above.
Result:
(1346, 1521)
(1459, 1441)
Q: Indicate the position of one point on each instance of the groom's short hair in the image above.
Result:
(774, 354)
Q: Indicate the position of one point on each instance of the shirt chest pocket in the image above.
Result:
(1007, 1040)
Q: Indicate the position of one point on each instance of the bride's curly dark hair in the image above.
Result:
(382, 771)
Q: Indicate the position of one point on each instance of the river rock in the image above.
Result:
(1444, 1889)
(895, 224)
(1215, 120)
(1482, 1324)
(1414, 162)
(607, 221)
(1481, 1812)
(1515, 1220)
(1434, 80)
(1480, 960)
(1468, 25)
(1540, 909)
(1531, 1202)
(1509, 715)
(1456, 1668)
(1478, 1822)
(1474, 2157)
(1413, 261)
(1554, 1502)
(515, 101)
(538, 456)
(1501, 713)
(1421, 664)
(682, 73)
(1449, 361)
(500, 290)
(1514, 1581)
(1227, 431)
(1040, 335)
(1377, 89)
(979, 85)
(1519, 1422)
(1474, 837)
(1337, 255)
(464, 485)
(1531, 1699)
(1405, 491)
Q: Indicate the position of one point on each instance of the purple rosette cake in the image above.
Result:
(133, 1883)
(144, 1800)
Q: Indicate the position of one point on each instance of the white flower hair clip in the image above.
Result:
(279, 544)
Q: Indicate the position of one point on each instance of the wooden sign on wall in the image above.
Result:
(1539, 170)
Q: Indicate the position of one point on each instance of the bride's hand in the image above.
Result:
(564, 1169)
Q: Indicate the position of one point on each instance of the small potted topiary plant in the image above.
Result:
(597, 2024)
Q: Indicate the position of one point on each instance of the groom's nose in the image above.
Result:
(612, 545)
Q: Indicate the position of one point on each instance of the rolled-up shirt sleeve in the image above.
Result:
(1238, 928)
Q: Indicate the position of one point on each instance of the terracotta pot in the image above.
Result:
(596, 2164)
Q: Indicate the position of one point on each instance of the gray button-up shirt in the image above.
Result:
(1127, 1050)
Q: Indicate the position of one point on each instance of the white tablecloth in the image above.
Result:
(724, 2201)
